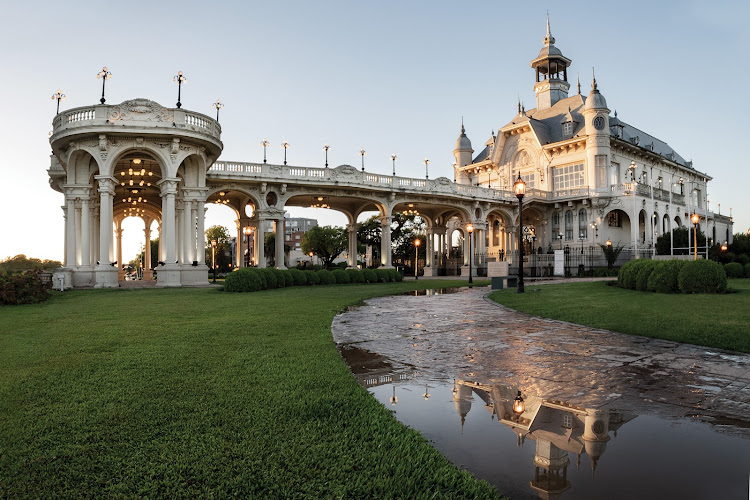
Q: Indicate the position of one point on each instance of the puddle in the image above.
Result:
(433, 291)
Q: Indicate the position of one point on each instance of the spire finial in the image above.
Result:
(523, 110)
(593, 81)
(463, 130)
(549, 39)
(519, 104)
(579, 84)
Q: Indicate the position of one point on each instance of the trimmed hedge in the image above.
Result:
(252, 279)
(22, 288)
(702, 276)
(341, 276)
(299, 277)
(288, 278)
(312, 277)
(734, 270)
(326, 278)
(383, 275)
(663, 279)
(747, 270)
(370, 275)
(356, 275)
(245, 279)
(270, 275)
(644, 271)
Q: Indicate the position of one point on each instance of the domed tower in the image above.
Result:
(551, 73)
(462, 153)
(595, 434)
(596, 115)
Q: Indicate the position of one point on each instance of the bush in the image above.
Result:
(663, 279)
(395, 275)
(702, 276)
(22, 288)
(280, 280)
(356, 275)
(628, 273)
(747, 270)
(312, 277)
(383, 275)
(370, 275)
(300, 279)
(644, 271)
(288, 278)
(734, 270)
(243, 280)
(271, 281)
(341, 276)
(326, 278)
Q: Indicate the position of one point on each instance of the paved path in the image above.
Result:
(465, 335)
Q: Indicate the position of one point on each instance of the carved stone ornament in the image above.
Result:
(142, 110)
(443, 181)
(344, 171)
(275, 169)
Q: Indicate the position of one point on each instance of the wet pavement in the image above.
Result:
(433, 358)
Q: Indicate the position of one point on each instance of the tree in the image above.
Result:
(368, 233)
(22, 263)
(611, 253)
(404, 230)
(140, 257)
(269, 248)
(680, 236)
(327, 242)
(221, 235)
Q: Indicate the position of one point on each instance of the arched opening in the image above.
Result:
(616, 228)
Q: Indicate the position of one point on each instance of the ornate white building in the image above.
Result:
(591, 176)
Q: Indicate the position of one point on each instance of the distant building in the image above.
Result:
(295, 228)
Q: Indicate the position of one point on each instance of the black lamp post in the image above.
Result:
(213, 257)
(520, 189)
(416, 258)
(426, 172)
(362, 154)
(326, 148)
(695, 219)
(394, 158)
(248, 231)
(105, 75)
(470, 230)
(60, 97)
(218, 105)
(285, 145)
(179, 78)
(265, 144)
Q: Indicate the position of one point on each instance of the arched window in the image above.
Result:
(555, 224)
(569, 225)
(582, 224)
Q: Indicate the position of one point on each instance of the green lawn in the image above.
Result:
(195, 392)
(721, 321)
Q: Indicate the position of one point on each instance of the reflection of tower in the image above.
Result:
(462, 401)
(595, 434)
(550, 470)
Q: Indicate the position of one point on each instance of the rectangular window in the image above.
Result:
(614, 174)
(613, 219)
(567, 129)
(601, 171)
(568, 176)
(567, 420)
(569, 225)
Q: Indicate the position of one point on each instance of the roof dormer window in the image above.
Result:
(567, 130)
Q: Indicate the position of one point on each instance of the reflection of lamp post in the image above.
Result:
(213, 257)
(518, 406)
(179, 78)
(248, 231)
(416, 258)
(519, 187)
(362, 154)
(695, 219)
(470, 230)
(394, 399)
(265, 144)
(326, 148)
(285, 145)
(426, 394)
(394, 158)
(105, 75)
(60, 97)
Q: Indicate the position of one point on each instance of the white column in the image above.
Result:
(429, 243)
(200, 233)
(168, 191)
(279, 251)
(194, 256)
(179, 237)
(237, 243)
(259, 243)
(106, 192)
(147, 248)
(70, 234)
(85, 233)
(385, 241)
(78, 232)
(162, 247)
(118, 242)
(187, 233)
(352, 234)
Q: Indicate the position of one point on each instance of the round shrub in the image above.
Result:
(288, 278)
(341, 276)
(663, 279)
(299, 277)
(734, 270)
(356, 275)
(370, 275)
(747, 270)
(702, 276)
(261, 277)
(628, 272)
(395, 275)
(280, 280)
(244, 280)
(312, 277)
(271, 281)
(383, 275)
(326, 278)
(644, 271)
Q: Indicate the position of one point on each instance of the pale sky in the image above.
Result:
(388, 76)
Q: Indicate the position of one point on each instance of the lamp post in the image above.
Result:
(394, 158)
(217, 105)
(311, 256)
(724, 247)
(265, 144)
(518, 406)
(695, 219)
(362, 154)
(105, 75)
(284, 145)
(179, 78)
(326, 148)
(519, 187)
(416, 258)
(470, 230)
(60, 97)
(426, 163)
(248, 231)
(609, 249)
(213, 257)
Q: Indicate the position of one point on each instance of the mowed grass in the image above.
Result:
(194, 392)
(720, 321)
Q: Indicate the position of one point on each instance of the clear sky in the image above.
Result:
(387, 76)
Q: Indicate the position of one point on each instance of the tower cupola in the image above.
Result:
(551, 68)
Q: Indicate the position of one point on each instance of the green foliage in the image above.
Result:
(370, 275)
(384, 276)
(270, 275)
(326, 278)
(734, 270)
(243, 280)
(747, 270)
(312, 277)
(681, 235)
(22, 263)
(611, 253)
(22, 288)
(341, 276)
(326, 242)
(288, 277)
(280, 278)
(395, 275)
(356, 275)
(221, 252)
(269, 248)
(702, 276)
(644, 272)
(299, 277)
(663, 279)
(628, 273)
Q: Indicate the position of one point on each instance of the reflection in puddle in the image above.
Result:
(551, 448)
(433, 291)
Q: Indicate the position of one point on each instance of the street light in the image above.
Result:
(60, 97)
(285, 145)
(265, 144)
(394, 158)
(179, 78)
(609, 243)
(362, 154)
(248, 231)
(416, 258)
(105, 75)
(213, 257)
(470, 230)
(326, 148)
(519, 187)
(695, 219)
(518, 406)
(311, 256)
(217, 105)
(724, 247)
(426, 163)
